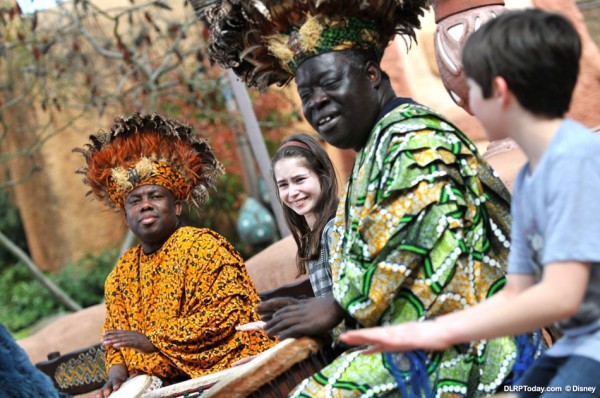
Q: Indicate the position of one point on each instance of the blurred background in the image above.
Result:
(68, 67)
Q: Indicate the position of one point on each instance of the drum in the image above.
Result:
(135, 386)
(190, 388)
(77, 372)
(274, 373)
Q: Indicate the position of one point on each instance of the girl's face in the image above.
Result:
(299, 187)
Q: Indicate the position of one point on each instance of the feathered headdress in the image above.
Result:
(264, 41)
(148, 150)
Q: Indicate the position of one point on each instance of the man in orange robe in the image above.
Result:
(173, 301)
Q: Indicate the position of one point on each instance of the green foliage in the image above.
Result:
(84, 280)
(24, 301)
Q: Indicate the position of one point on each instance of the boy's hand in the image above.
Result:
(427, 335)
(251, 326)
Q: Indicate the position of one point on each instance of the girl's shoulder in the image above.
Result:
(328, 228)
(330, 223)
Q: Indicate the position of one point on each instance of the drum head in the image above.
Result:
(135, 386)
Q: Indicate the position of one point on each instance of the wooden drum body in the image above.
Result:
(275, 372)
(272, 374)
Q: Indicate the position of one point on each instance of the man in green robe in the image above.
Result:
(422, 226)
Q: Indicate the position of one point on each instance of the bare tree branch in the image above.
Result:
(81, 57)
(57, 292)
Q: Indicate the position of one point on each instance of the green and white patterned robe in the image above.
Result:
(422, 230)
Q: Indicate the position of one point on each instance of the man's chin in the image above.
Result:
(336, 136)
(337, 142)
(147, 230)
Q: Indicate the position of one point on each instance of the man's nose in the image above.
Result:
(146, 204)
(319, 99)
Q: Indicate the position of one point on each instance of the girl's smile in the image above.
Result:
(299, 187)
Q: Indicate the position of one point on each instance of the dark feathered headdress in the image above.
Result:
(148, 150)
(263, 41)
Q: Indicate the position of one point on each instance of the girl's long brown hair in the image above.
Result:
(315, 159)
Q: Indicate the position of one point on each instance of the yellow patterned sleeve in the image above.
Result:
(217, 295)
(187, 299)
(116, 313)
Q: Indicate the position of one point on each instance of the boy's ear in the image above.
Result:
(501, 91)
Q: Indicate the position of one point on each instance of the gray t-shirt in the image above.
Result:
(556, 217)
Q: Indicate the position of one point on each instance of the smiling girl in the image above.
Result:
(307, 189)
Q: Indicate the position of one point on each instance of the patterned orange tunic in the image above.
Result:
(187, 298)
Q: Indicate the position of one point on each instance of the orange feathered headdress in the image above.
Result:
(264, 41)
(144, 150)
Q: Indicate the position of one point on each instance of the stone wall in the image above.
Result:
(61, 224)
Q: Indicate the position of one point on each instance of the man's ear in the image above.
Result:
(373, 73)
(178, 207)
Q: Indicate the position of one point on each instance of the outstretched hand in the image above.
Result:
(288, 317)
(252, 326)
(427, 335)
(117, 374)
(128, 339)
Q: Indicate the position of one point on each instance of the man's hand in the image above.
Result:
(117, 374)
(128, 339)
(287, 317)
(428, 335)
(268, 308)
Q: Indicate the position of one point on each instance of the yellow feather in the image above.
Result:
(278, 46)
(145, 168)
(119, 176)
(310, 34)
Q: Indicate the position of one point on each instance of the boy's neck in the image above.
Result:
(534, 135)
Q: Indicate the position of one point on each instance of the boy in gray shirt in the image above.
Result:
(522, 68)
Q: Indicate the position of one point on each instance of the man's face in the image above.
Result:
(338, 100)
(151, 212)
